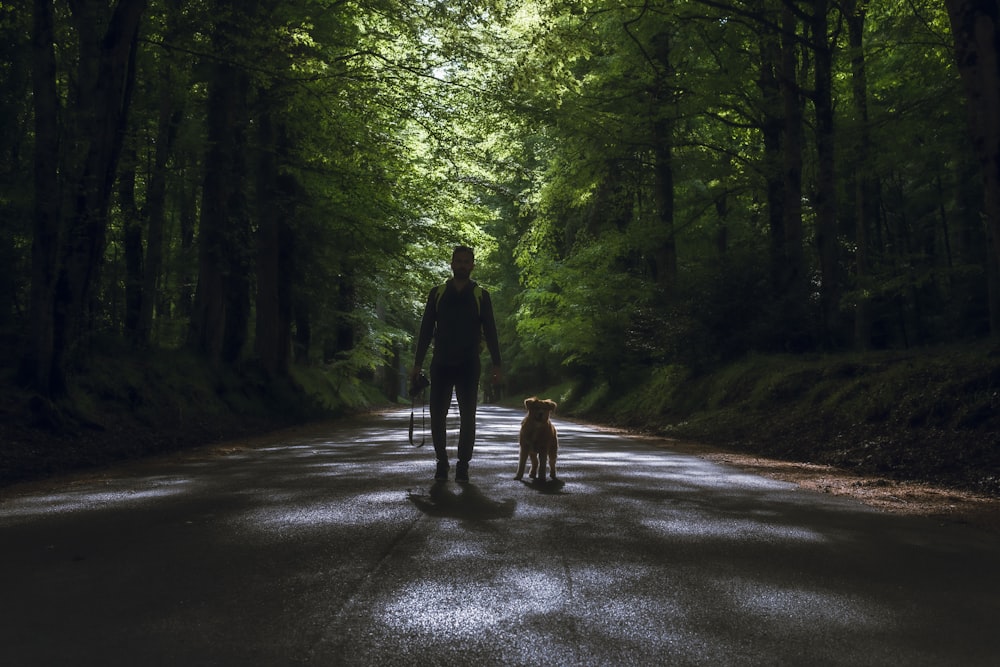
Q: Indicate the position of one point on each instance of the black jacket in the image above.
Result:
(458, 327)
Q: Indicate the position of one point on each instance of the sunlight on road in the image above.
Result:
(689, 525)
(90, 500)
(336, 539)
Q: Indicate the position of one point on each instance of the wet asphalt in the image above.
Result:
(332, 545)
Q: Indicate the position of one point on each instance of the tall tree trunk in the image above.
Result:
(793, 288)
(302, 337)
(134, 296)
(221, 309)
(188, 223)
(168, 121)
(272, 342)
(106, 81)
(36, 368)
(783, 140)
(826, 191)
(663, 145)
(155, 220)
(865, 210)
(71, 239)
(772, 130)
(344, 333)
(975, 25)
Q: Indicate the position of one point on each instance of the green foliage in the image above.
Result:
(657, 395)
(593, 82)
(335, 393)
(607, 161)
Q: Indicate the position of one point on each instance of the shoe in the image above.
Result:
(462, 472)
(442, 471)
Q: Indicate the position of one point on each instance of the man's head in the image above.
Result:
(463, 260)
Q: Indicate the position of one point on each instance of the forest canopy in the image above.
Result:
(648, 185)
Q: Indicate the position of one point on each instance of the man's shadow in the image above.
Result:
(468, 503)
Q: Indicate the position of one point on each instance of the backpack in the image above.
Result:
(477, 292)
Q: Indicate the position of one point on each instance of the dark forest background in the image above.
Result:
(772, 224)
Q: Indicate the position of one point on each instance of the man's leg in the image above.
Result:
(442, 386)
(466, 391)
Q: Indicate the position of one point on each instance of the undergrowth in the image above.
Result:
(126, 405)
(929, 415)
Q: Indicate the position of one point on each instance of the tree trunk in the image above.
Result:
(36, 369)
(302, 337)
(70, 240)
(188, 222)
(783, 139)
(168, 121)
(221, 308)
(134, 296)
(826, 193)
(772, 124)
(107, 76)
(793, 288)
(272, 342)
(975, 26)
(864, 181)
(344, 333)
(208, 319)
(663, 144)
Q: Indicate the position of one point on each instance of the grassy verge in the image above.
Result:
(123, 406)
(929, 415)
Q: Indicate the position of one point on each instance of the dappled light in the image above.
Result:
(93, 500)
(635, 550)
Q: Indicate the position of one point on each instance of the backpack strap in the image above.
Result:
(477, 292)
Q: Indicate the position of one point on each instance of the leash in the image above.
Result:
(423, 425)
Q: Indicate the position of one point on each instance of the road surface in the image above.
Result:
(333, 546)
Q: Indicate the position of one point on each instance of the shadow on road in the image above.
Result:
(469, 503)
(330, 545)
(550, 487)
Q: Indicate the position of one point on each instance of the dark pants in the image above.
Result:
(464, 382)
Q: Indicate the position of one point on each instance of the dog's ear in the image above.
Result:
(528, 402)
(551, 405)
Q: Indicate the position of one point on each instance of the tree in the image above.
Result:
(653, 183)
(76, 155)
(827, 233)
(976, 28)
(864, 190)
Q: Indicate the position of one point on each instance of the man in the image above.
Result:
(458, 316)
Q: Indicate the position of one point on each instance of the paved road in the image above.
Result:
(334, 547)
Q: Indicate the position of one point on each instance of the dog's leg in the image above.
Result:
(521, 460)
(542, 456)
(533, 474)
(553, 451)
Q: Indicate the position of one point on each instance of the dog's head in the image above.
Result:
(539, 408)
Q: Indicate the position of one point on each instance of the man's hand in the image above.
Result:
(417, 382)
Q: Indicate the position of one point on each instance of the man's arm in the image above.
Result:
(490, 334)
(425, 335)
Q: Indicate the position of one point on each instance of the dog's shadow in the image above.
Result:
(468, 504)
(545, 486)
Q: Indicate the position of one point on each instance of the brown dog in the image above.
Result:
(538, 439)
